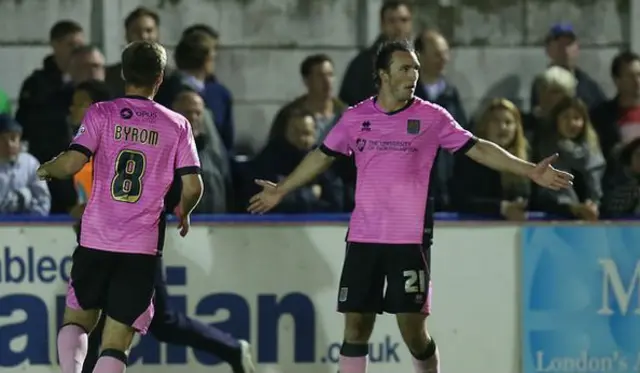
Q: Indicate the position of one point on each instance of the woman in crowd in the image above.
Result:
(553, 85)
(480, 190)
(574, 139)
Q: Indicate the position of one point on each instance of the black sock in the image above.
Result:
(428, 352)
(354, 350)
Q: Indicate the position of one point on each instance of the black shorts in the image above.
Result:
(121, 285)
(405, 269)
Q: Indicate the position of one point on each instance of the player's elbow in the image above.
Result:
(321, 157)
(481, 151)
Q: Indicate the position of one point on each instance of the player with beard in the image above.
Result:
(394, 137)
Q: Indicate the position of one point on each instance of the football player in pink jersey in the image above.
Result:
(394, 138)
(136, 146)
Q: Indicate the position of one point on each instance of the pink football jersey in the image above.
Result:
(137, 146)
(394, 154)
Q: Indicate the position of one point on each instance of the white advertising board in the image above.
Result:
(274, 285)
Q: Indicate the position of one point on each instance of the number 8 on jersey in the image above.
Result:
(126, 185)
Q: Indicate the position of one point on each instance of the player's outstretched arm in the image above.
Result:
(543, 174)
(63, 166)
(314, 164)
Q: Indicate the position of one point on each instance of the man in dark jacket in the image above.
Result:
(562, 48)
(395, 23)
(433, 51)
(141, 24)
(282, 155)
(433, 86)
(43, 106)
(317, 75)
(195, 57)
(618, 120)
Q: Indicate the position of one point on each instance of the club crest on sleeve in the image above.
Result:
(413, 126)
(81, 130)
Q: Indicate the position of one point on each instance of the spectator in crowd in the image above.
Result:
(562, 48)
(618, 120)
(85, 94)
(87, 63)
(43, 107)
(317, 74)
(576, 142)
(433, 86)
(217, 97)
(478, 189)
(622, 191)
(21, 191)
(213, 158)
(395, 23)
(282, 155)
(552, 86)
(195, 57)
(42, 85)
(141, 24)
(433, 52)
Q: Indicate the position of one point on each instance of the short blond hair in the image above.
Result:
(556, 76)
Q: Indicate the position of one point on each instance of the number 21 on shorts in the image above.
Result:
(415, 281)
(126, 185)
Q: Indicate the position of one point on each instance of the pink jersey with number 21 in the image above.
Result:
(137, 145)
(394, 154)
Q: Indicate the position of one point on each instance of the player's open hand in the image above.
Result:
(265, 200)
(545, 175)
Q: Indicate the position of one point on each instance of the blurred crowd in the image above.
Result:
(597, 138)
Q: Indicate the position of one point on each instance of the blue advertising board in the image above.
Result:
(580, 299)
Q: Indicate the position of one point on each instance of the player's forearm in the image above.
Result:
(191, 195)
(58, 168)
(188, 203)
(493, 156)
(65, 165)
(314, 164)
